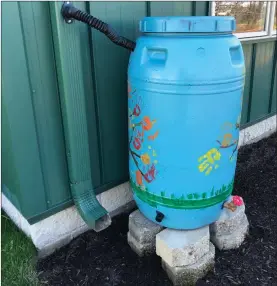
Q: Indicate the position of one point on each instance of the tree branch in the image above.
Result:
(136, 162)
(234, 151)
(134, 127)
(135, 153)
(227, 146)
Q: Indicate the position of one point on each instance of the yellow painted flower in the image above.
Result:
(145, 159)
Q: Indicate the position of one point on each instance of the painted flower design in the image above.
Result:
(142, 132)
(145, 158)
(136, 110)
(150, 175)
(137, 143)
(147, 123)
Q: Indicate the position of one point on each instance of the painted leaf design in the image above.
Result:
(129, 90)
(190, 196)
(154, 136)
(138, 177)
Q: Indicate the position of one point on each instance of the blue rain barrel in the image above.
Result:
(185, 87)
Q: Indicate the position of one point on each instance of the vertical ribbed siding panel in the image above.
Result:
(248, 52)
(110, 64)
(201, 8)
(273, 92)
(262, 80)
(251, 83)
(35, 18)
(22, 176)
(171, 8)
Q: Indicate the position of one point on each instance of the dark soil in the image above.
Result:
(105, 258)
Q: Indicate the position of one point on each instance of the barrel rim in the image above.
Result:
(188, 24)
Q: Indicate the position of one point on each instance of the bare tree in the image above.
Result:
(248, 15)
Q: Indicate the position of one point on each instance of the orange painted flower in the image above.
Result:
(138, 177)
(145, 159)
(146, 124)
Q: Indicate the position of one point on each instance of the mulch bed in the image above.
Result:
(105, 258)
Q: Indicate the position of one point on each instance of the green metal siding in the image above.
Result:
(260, 83)
(37, 33)
(18, 121)
(248, 54)
(273, 108)
(46, 61)
(171, 8)
(163, 8)
(110, 65)
(34, 166)
(262, 80)
(273, 93)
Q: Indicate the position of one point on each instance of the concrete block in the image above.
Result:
(182, 247)
(232, 240)
(142, 229)
(188, 275)
(142, 233)
(229, 221)
(141, 249)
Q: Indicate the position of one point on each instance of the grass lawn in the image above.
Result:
(18, 256)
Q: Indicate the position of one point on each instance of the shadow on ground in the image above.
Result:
(105, 258)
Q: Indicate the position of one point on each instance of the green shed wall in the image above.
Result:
(34, 169)
(44, 58)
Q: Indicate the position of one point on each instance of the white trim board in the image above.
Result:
(60, 228)
(257, 131)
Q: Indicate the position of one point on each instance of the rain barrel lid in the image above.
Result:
(204, 24)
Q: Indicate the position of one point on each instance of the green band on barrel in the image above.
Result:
(193, 201)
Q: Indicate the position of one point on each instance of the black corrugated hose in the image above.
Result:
(69, 11)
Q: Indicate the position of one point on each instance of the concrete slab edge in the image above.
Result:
(258, 131)
(59, 229)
